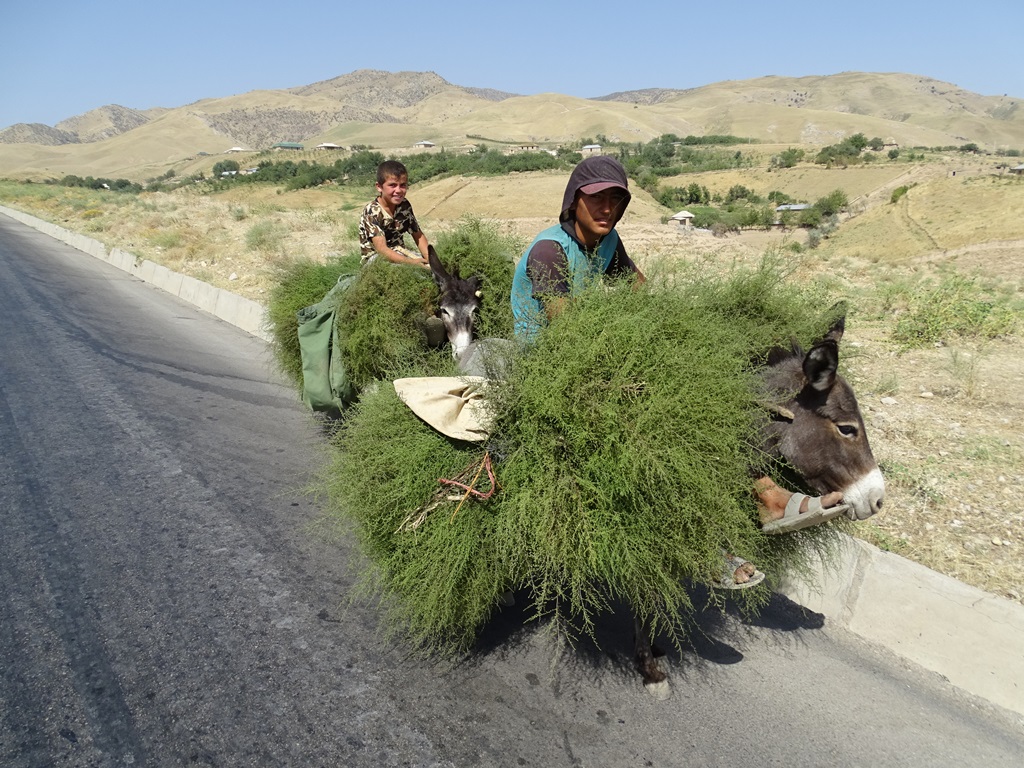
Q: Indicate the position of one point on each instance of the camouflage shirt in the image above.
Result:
(376, 221)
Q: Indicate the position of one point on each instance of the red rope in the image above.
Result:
(490, 476)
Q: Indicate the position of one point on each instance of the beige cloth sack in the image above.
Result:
(453, 405)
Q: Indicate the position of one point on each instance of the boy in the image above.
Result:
(388, 217)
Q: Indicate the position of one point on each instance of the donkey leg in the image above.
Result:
(655, 680)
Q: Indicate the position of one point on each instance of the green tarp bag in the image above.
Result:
(325, 384)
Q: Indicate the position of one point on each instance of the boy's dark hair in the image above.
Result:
(390, 169)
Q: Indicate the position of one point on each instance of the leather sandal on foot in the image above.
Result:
(793, 519)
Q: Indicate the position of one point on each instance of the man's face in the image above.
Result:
(393, 190)
(597, 214)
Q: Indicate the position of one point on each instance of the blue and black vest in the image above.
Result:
(583, 268)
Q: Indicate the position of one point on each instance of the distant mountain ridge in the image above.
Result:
(365, 95)
(393, 110)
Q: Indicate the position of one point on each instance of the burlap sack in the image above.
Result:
(453, 405)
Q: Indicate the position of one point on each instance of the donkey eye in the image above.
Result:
(847, 430)
(445, 312)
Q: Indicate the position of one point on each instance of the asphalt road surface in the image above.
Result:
(166, 598)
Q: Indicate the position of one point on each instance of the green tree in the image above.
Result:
(225, 166)
(787, 158)
(832, 203)
(858, 141)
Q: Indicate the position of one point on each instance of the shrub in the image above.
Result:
(956, 307)
(898, 193)
(832, 203)
(225, 166)
(788, 158)
(265, 236)
(810, 217)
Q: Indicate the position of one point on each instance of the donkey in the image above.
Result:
(817, 429)
(459, 301)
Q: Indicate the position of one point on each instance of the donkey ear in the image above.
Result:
(436, 267)
(821, 363)
(838, 311)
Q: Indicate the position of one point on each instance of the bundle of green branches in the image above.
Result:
(301, 283)
(478, 247)
(380, 317)
(623, 447)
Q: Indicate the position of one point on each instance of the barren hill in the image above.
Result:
(374, 89)
(94, 125)
(391, 111)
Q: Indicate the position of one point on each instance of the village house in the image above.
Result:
(591, 149)
(287, 145)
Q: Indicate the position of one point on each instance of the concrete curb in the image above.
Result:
(971, 637)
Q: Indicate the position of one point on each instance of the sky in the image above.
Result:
(65, 57)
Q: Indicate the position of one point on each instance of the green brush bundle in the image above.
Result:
(622, 450)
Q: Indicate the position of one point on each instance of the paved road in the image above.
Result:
(166, 599)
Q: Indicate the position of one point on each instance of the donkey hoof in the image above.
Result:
(660, 690)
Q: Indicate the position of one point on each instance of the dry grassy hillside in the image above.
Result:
(391, 111)
(944, 420)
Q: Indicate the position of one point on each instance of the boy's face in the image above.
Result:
(392, 191)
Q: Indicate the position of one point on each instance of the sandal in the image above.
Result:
(793, 519)
(727, 579)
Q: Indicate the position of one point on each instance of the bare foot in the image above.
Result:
(743, 573)
(737, 573)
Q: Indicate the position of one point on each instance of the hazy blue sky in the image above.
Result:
(65, 57)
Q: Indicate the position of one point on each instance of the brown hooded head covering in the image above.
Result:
(592, 175)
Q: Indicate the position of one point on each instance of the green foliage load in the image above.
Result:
(476, 247)
(301, 283)
(622, 445)
(380, 320)
(380, 317)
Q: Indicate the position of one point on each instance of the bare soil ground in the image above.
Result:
(945, 421)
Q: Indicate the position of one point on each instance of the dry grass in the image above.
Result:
(944, 421)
